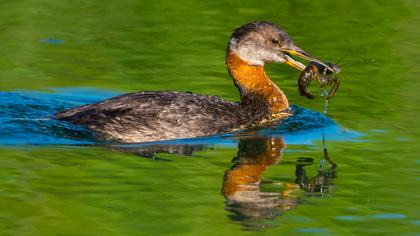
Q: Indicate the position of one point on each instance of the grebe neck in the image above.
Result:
(254, 85)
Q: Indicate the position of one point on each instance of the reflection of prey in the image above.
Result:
(241, 186)
(321, 183)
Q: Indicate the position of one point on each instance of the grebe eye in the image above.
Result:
(275, 42)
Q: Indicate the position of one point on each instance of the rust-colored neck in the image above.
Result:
(254, 85)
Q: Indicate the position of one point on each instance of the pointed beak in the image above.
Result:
(296, 51)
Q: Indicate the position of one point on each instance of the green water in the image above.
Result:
(125, 46)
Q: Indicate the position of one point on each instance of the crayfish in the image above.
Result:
(321, 73)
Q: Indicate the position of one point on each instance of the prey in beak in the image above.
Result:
(323, 72)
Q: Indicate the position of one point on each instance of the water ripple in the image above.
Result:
(27, 118)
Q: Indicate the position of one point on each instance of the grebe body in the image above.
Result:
(153, 116)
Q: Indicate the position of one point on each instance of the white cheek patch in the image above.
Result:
(253, 57)
(254, 54)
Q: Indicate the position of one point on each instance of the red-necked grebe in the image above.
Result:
(153, 116)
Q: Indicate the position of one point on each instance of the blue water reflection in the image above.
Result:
(27, 118)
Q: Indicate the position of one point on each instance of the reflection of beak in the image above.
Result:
(296, 51)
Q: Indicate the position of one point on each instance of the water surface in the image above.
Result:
(55, 179)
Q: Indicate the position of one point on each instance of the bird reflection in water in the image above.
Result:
(254, 207)
(246, 201)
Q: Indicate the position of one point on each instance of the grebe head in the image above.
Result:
(258, 43)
